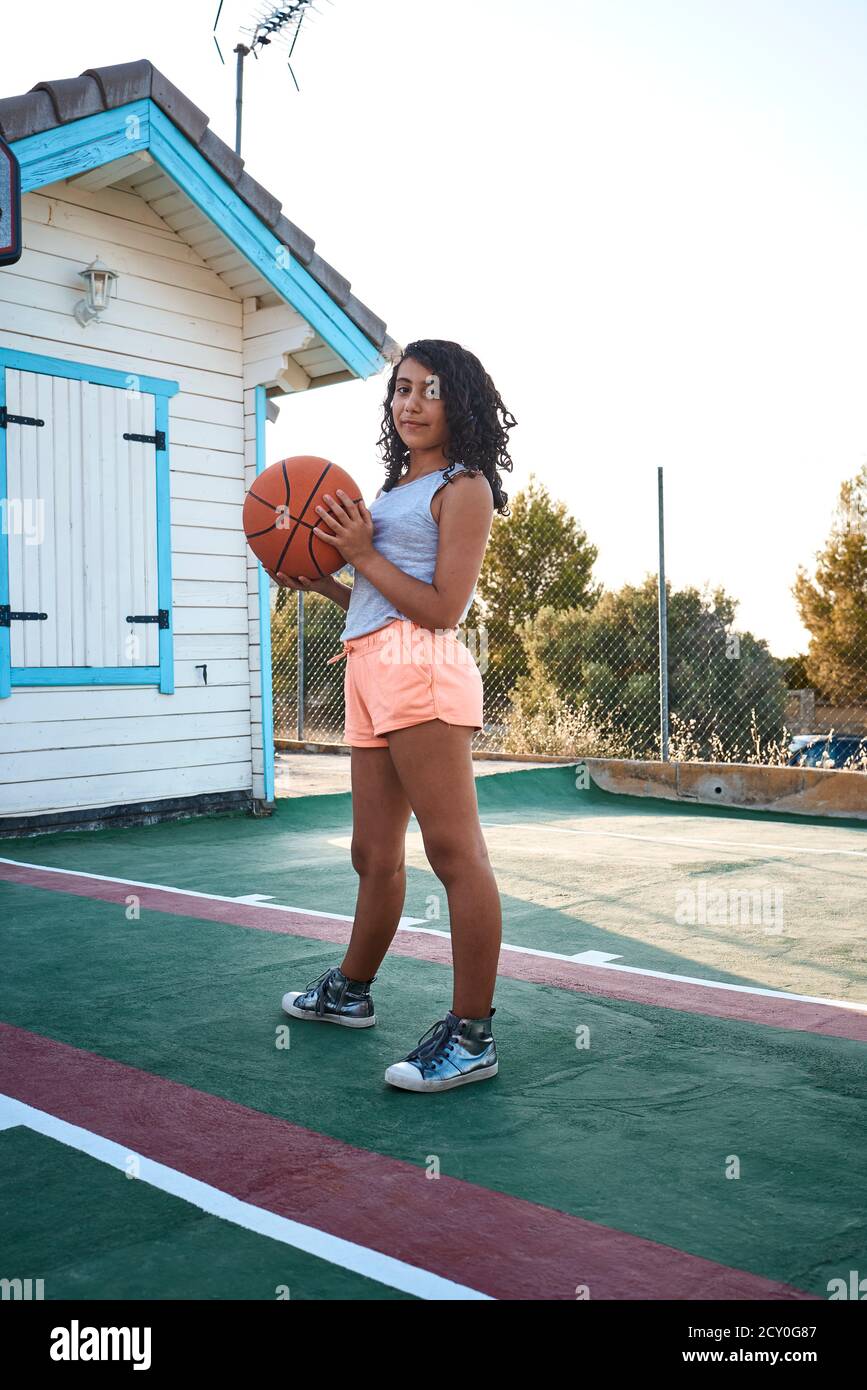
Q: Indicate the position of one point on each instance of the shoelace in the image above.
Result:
(321, 996)
(323, 979)
(430, 1044)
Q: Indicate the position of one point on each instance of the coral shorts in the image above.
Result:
(405, 674)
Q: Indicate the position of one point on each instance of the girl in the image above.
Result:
(414, 697)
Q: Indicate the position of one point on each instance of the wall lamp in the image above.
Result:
(99, 280)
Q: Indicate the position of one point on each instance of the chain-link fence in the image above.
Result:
(574, 670)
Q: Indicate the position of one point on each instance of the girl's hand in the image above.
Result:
(315, 586)
(351, 526)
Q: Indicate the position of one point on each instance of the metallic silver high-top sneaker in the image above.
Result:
(451, 1053)
(332, 998)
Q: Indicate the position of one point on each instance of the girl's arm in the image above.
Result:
(341, 593)
(330, 587)
(465, 524)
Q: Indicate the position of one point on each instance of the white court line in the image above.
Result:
(664, 975)
(243, 900)
(671, 839)
(721, 984)
(413, 924)
(394, 1274)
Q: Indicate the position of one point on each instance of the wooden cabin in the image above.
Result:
(135, 674)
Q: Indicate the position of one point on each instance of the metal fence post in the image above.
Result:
(663, 630)
(300, 665)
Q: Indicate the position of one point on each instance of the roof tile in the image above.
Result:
(330, 279)
(72, 97)
(224, 160)
(26, 115)
(259, 199)
(299, 243)
(178, 107)
(371, 326)
(123, 82)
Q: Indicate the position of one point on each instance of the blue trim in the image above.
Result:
(216, 198)
(162, 390)
(82, 371)
(164, 548)
(85, 675)
(265, 625)
(85, 144)
(5, 633)
(94, 140)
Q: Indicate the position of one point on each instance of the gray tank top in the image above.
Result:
(406, 534)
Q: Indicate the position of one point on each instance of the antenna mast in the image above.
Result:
(272, 24)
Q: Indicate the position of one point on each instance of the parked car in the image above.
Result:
(799, 741)
(840, 751)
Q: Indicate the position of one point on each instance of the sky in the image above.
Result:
(647, 218)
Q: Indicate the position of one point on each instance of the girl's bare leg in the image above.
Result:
(380, 814)
(434, 763)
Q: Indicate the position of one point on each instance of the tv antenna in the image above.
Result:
(272, 24)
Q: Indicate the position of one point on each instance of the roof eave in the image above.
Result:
(53, 106)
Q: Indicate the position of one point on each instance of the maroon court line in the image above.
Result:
(774, 1012)
(500, 1245)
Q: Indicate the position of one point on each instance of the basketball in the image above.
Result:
(280, 513)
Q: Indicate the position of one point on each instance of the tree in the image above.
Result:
(722, 684)
(833, 605)
(794, 672)
(538, 556)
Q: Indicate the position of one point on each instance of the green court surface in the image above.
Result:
(140, 1242)
(634, 1132)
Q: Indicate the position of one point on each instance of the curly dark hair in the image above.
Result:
(477, 439)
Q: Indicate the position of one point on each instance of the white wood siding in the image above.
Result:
(172, 317)
(252, 602)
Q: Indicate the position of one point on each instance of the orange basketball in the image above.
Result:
(280, 513)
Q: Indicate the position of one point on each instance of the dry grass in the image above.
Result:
(540, 720)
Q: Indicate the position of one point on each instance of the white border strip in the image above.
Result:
(664, 975)
(394, 1274)
(183, 892)
(412, 924)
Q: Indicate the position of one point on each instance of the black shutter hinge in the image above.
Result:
(158, 439)
(7, 616)
(7, 419)
(161, 618)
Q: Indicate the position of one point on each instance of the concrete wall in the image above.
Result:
(801, 791)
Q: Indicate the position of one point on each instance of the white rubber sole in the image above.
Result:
(416, 1082)
(289, 1008)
